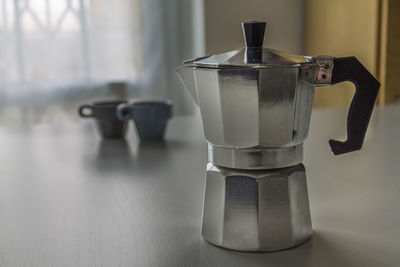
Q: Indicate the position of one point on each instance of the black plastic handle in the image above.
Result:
(253, 32)
(367, 88)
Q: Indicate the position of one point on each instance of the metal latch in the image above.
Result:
(325, 67)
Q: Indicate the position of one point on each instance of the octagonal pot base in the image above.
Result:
(259, 250)
(249, 210)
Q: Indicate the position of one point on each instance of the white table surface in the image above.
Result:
(69, 199)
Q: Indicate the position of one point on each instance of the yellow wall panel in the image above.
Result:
(389, 70)
(342, 28)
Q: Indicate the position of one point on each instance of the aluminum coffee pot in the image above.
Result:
(255, 105)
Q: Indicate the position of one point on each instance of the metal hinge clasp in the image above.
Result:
(325, 67)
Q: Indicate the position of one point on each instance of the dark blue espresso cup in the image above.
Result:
(150, 117)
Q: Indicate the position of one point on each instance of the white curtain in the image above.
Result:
(55, 54)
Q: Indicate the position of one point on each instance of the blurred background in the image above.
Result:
(57, 54)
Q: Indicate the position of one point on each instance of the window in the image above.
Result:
(48, 45)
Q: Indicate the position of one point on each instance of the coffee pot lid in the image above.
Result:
(254, 55)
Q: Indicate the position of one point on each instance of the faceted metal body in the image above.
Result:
(245, 108)
(256, 210)
(255, 121)
(255, 105)
(255, 158)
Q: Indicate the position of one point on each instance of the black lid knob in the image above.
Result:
(253, 32)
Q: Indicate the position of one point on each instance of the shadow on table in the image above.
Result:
(152, 155)
(142, 158)
(162, 145)
(113, 154)
(158, 154)
(322, 250)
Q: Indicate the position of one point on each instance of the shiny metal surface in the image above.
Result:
(253, 107)
(265, 101)
(256, 158)
(186, 75)
(253, 55)
(239, 59)
(276, 99)
(253, 96)
(303, 104)
(256, 210)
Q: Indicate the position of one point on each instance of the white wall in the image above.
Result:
(285, 23)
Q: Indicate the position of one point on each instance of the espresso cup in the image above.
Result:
(150, 117)
(105, 115)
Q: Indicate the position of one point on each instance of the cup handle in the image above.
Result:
(82, 113)
(124, 112)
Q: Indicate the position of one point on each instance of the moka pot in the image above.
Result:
(255, 105)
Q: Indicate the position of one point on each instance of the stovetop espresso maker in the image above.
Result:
(255, 105)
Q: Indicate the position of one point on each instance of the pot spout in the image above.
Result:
(186, 75)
